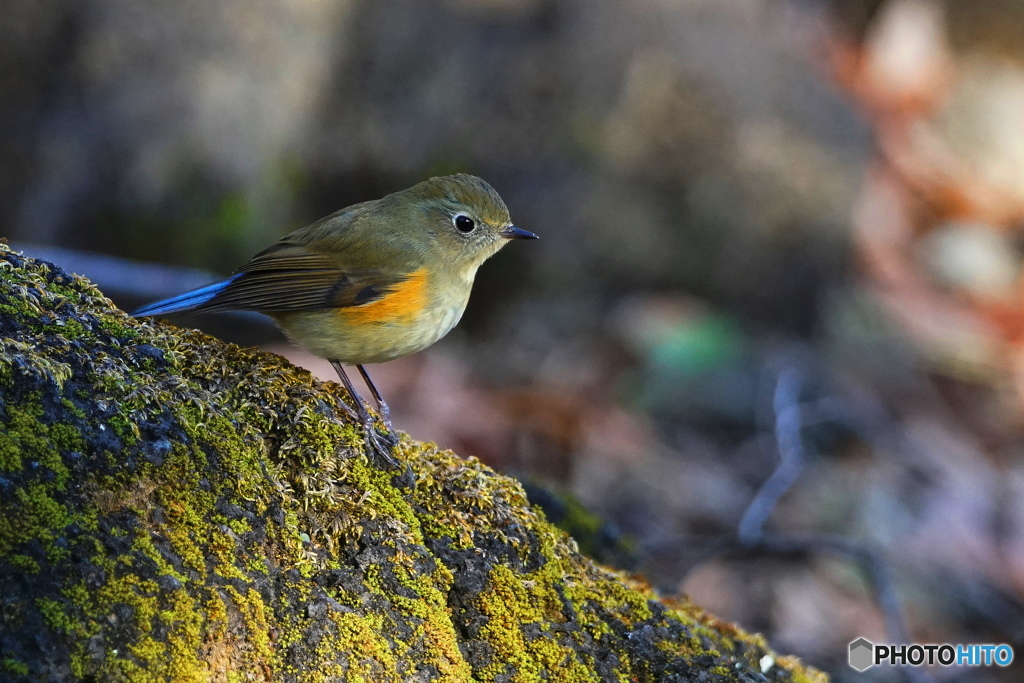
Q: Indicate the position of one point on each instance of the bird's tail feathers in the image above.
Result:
(184, 302)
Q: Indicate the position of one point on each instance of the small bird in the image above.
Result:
(372, 282)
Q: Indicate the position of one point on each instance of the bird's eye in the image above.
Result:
(464, 223)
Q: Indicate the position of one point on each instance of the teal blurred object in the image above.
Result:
(697, 344)
(697, 366)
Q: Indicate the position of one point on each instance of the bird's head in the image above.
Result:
(464, 218)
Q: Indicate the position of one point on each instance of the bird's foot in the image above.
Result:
(380, 446)
(380, 450)
(350, 412)
(385, 417)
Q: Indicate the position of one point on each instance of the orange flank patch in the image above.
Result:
(402, 304)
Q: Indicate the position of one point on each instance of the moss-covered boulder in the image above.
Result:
(173, 508)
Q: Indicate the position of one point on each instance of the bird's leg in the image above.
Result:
(380, 446)
(382, 407)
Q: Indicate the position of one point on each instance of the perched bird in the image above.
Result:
(372, 282)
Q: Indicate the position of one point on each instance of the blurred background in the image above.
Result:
(771, 229)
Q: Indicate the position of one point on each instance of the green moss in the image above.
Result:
(31, 451)
(55, 616)
(24, 435)
(34, 515)
(10, 453)
(514, 602)
(124, 427)
(227, 525)
(74, 411)
(24, 563)
(69, 329)
(14, 666)
(66, 437)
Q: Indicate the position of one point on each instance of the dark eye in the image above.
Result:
(464, 223)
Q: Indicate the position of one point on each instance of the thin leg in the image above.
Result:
(364, 416)
(385, 412)
(379, 445)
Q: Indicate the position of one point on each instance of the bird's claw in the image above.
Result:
(381, 447)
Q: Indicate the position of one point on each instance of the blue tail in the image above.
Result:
(184, 302)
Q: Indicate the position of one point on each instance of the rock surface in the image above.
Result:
(173, 508)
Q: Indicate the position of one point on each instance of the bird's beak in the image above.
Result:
(514, 233)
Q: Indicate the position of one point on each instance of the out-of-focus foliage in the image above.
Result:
(653, 144)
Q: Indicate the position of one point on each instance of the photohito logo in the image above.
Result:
(864, 654)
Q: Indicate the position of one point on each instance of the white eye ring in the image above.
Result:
(463, 223)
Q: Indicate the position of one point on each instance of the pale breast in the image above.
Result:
(354, 336)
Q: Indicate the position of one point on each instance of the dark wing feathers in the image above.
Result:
(286, 256)
(289, 277)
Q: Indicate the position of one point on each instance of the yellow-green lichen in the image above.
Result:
(226, 525)
(14, 666)
(54, 615)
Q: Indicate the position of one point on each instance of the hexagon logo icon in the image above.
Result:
(862, 654)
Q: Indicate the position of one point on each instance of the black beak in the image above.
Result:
(514, 233)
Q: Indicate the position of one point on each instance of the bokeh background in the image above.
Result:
(770, 228)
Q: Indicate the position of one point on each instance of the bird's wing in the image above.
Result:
(293, 277)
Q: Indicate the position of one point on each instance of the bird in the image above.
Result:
(369, 283)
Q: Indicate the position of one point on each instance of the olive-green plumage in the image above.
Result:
(372, 282)
(376, 280)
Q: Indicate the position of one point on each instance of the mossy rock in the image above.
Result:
(174, 508)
